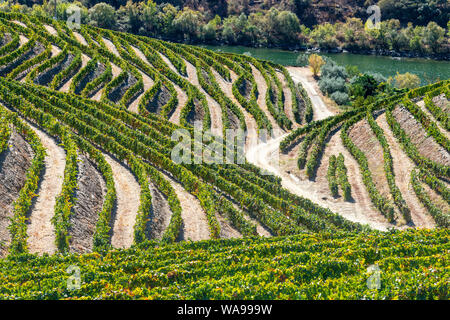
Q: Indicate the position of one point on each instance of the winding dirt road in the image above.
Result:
(265, 155)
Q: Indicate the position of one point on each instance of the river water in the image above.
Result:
(428, 70)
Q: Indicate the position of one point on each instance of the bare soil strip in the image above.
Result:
(127, 204)
(22, 40)
(403, 167)
(287, 100)
(41, 236)
(170, 64)
(182, 100)
(55, 51)
(84, 61)
(227, 231)
(214, 107)
(98, 95)
(437, 200)
(80, 38)
(115, 70)
(14, 163)
(262, 90)
(50, 30)
(161, 215)
(195, 225)
(181, 95)
(90, 195)
(20, 23)
(426, 144)
(441, 101)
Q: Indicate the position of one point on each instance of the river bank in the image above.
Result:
(427, 69)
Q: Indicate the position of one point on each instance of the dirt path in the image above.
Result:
(403, 167)
(127, 204)
(303, 75)
(51, 30)
(20, 23)
(287, 100)
(170, 64)
(111, 47)
(80, 38)
(262, 90)
(214, 108)
(195, 225)
(22, 40)
(263, 155)
(41, 236)
(55, 51)
(84, 61)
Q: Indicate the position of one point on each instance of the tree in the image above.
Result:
(210, 29)
(284, 26)
(407, 80)
(324, 36)
(315, 63)
(433, 37)
(302, 60)
(364, 86)
(102, 15)
(188, 22)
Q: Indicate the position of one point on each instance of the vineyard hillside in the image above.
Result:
(302, 204)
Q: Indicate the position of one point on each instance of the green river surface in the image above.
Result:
(428, 70)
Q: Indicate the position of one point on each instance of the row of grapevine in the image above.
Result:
(342, 177)
(331, 176)
(5, 133)
(430, 127)
(438, 113)
(442, 219)
(411, 149)
(307, 266)
(389, 168)
(380, 202)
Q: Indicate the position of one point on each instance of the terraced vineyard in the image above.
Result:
(89, 120)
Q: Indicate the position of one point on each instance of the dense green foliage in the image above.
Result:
(413, 265)
(274, 24)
